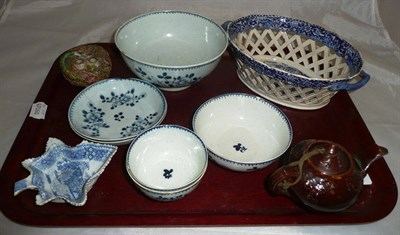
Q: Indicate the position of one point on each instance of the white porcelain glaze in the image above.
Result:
(172, 49)
(242, 132)
(169, 196)
(114, 111)
(166, 161)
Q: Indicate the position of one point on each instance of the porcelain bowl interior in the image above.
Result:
(172, 49)
(114, 111)
(166, 160)
(242, 132)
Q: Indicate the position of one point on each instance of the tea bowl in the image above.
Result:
(115, 110)
(166, 162)
(242, 132)
(171, 49)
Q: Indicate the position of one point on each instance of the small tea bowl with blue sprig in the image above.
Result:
(167, 162)
(171, 49)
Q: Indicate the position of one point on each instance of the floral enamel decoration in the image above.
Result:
(64, 173)
(86, 64)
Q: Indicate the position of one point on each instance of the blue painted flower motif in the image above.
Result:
(168, 173)
(164, 76)
(167, 80)
(140, 71)
(240, 148)
(167, 199)
(94, 120)
(138, 125)
(127, 99)
(65, 173)
(119, 116)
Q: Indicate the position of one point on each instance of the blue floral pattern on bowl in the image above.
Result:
(116, 109)
(64, 173)
(187, 48)
(166, 80)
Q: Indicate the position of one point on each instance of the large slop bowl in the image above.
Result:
(171, 49)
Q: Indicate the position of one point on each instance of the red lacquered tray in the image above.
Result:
(222, 198)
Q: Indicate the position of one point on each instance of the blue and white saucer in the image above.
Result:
(114, 111)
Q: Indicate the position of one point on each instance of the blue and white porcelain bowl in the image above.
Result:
(115, 110)
(171, 49)
(293, 62)
(242, 132)
(167, 162)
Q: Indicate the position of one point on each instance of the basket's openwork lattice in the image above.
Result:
(289, 68)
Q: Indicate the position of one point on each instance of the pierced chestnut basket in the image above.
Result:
(292, 62)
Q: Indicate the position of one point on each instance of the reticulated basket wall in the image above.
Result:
(311, 59)
(283, 93)
(292, 62)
